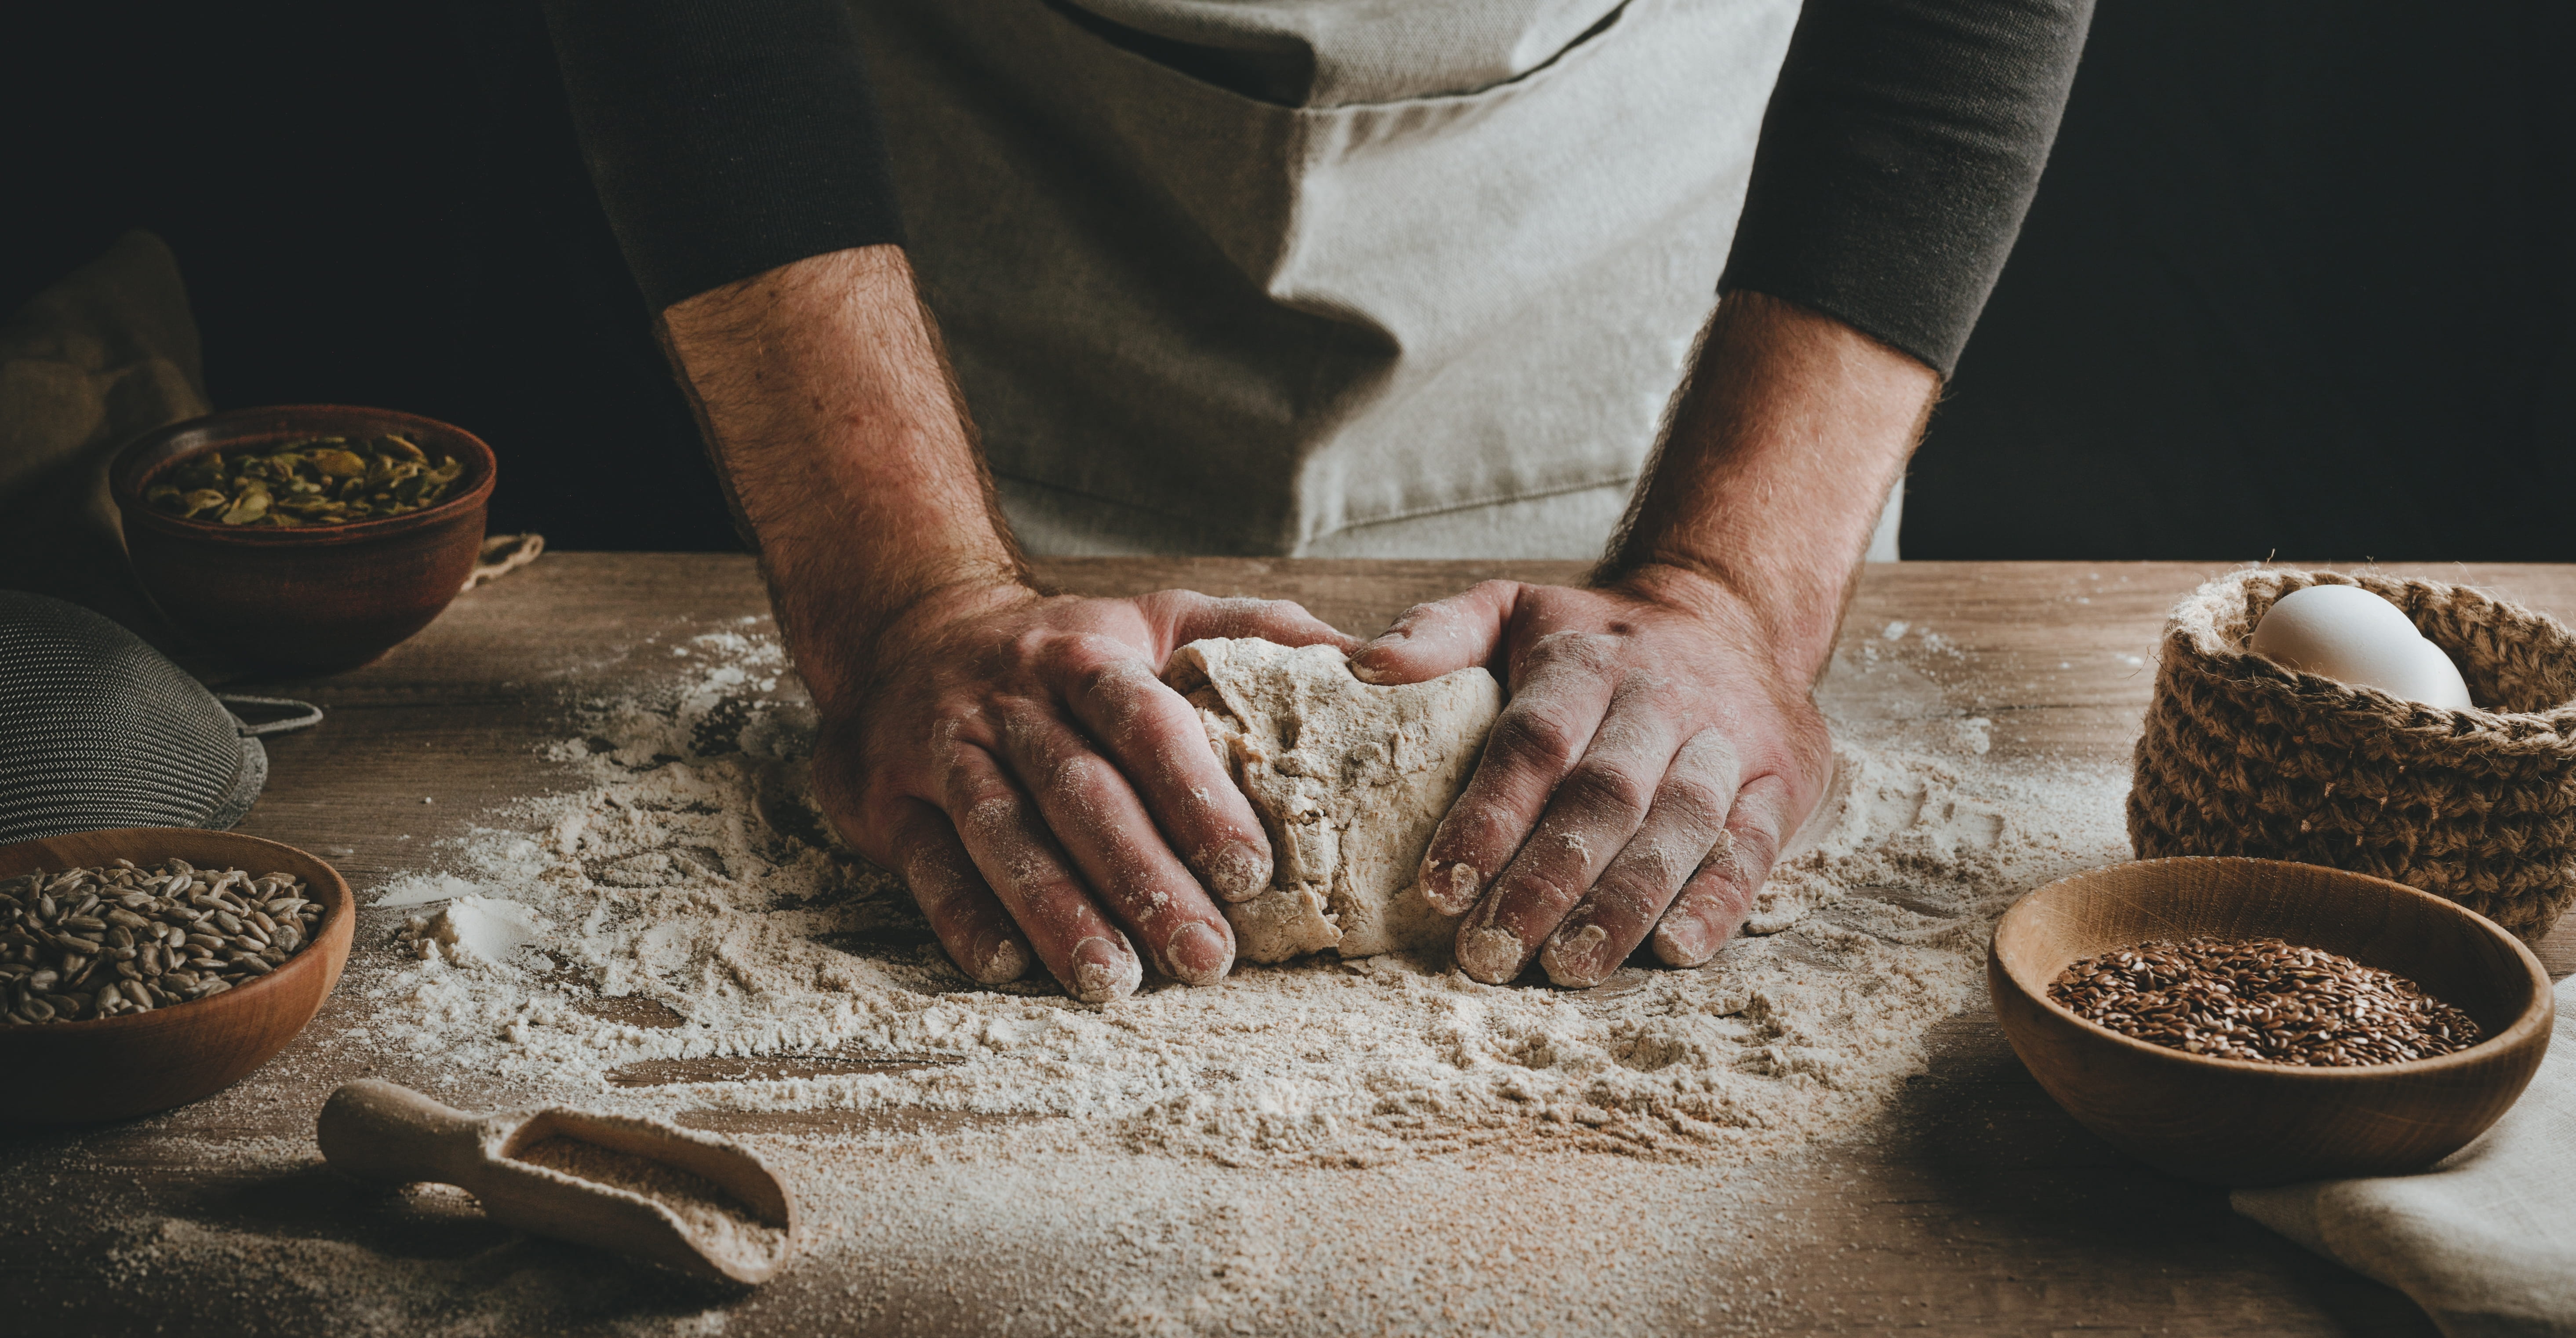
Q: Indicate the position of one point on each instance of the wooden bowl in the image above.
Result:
(114, 1068)
(2239, 1122)
(313, 599)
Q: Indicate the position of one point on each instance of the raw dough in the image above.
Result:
(1349, 779)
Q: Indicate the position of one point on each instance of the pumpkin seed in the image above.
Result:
(315, 481)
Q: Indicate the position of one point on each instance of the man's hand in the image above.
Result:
(1651, 759)
(1013, 755)
(1660, 740)
(1016, 758)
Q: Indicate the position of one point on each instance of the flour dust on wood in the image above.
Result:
(689, 868)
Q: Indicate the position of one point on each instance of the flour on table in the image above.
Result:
(480, 928)
(687, 865)
(1349, 779)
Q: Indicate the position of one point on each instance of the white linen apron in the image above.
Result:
(1431, 300)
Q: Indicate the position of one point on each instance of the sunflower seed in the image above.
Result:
(120, 939)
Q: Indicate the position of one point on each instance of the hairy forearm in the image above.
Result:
(845, 449)
(1771, 473)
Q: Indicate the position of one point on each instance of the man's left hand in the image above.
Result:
(1652, 757)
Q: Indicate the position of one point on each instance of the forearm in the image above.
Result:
(1770, 477)
(1902, 146)
(845, 450)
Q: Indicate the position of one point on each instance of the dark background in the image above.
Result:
(2298, 279)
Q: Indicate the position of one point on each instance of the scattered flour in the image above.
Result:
(690, 868)
(473, 928)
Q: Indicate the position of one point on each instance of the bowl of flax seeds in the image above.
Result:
(2252, 1022)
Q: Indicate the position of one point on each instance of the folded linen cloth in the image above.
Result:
(2486, 1240)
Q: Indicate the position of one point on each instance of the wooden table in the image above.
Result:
(1974, 1206)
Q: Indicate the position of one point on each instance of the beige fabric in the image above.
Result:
(1338, 53)
(2486, 1241)
(1189, 320)
(101, 357)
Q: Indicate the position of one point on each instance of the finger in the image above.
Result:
(1098, 820)
(1190, 616)
(1542, 732)
(1589, 819)
(1012, 848)
(1443, 637)
(968, 919)
(1686, 821)
(1154, 736)
(1713, 904)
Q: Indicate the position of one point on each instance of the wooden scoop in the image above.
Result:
(615, 1190)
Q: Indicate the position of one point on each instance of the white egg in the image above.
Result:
(2345, 632)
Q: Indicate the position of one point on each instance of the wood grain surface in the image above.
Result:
(1974, 1206)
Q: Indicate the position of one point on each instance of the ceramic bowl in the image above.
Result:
(317, 598)
(114, 1068)
(2240, 1122)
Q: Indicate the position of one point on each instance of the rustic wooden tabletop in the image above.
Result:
(1973, 1206)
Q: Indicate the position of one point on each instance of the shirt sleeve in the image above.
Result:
(1899, 153)
(724, 139)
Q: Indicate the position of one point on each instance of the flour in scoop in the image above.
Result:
(718, 1222)
(689, 867)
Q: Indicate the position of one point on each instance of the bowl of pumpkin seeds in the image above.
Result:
(303, 538)
(305, 481)
(144, 968)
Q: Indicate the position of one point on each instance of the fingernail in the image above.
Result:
(1682, 942)
(1451, 886)
(1239, 872)
(1577, 960)
(1493, 956)
(999, 959)
(1198, 954)
(1360, 668)
(1103, 970)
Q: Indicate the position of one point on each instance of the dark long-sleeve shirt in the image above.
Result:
(1900, 150)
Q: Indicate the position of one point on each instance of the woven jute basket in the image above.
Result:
(2243, 757)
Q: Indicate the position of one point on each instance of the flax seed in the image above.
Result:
(2264, 1000)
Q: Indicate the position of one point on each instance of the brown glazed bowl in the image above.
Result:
(317, 598)
(2240, 1122)
(115, 1068)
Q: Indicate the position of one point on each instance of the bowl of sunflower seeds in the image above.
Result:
(145, 967)
(303, 538)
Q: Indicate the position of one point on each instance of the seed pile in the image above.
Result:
(2262, 999)
(91, 943)
(316, 481)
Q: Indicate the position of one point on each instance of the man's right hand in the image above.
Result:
(1018, 760)
(1013, 755)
